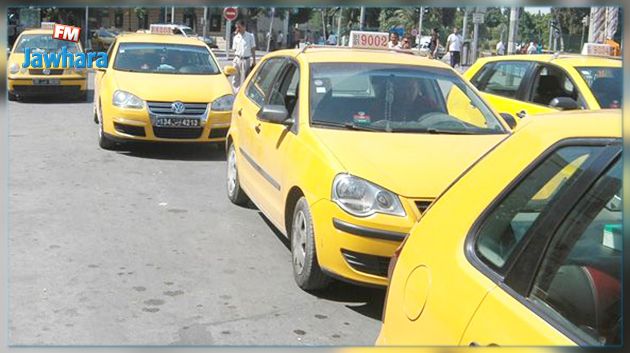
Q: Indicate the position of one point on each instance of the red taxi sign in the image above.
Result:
(230, 13)
(161, 29)
(364, 39)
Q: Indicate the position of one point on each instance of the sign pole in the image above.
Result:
(228, 35)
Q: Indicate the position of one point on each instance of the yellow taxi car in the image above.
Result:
(492, 263)
(533, 84)
(343, 149)
(161, 88)
(45, 81)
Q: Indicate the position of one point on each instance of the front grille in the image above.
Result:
(218, 132)
(164, 109)
(423, 205)
(129, 129)
(371, 264)
(41, 72)
(177, 132)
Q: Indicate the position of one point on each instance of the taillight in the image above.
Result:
(390, 272)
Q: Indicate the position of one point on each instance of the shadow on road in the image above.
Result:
(174, 151)
(367, 301)
(58, 99)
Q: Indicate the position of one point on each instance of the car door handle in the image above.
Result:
(257, 128)
(475, 344)
(521, 114)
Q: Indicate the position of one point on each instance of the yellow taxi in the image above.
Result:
(544, 83)
(343, 149)
(161, 88)
(48, 80)
(493, 263)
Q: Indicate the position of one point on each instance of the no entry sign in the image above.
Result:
(230, 13)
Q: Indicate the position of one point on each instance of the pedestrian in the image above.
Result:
(434, 43)
(531, 49)
(454, 44)
(500, 48)
(393, 41)
(539, 48)
(244, 47)
(280, 40)
(297, 37)
(332, 39)
(405, 43)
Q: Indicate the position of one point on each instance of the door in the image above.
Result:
(276, 141)
(573, 297)
(254, 178)
(502, 84)
(549, 82)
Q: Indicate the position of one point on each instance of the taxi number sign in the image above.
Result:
(363, 39)
(176, 122)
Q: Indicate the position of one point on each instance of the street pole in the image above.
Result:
(550, 32)
(362, 18)
(228, 35)
(420, 18)
(173, 14)
(339, 27)
(475, 42)
(512, 32)
(87, 30)
(324, 26)
(165, 14)
(273, 12)
(205, 21)
(465, 24)
(285, 28)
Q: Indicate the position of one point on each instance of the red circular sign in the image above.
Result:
(230, 13)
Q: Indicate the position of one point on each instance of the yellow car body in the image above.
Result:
(525, 84)
(47, 81)
(276, 164)
(442, 292)
(158, 92)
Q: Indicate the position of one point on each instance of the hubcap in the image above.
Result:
(231, 172)
(299, 242)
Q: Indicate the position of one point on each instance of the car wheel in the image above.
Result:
(306, 271)
(104, 141)
(12, 97)
(234, 190)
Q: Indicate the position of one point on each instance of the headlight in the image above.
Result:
(14, 68)
(361, 198)
(223, 104)
(126, 100)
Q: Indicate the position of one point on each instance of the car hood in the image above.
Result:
(169, 87)
(411, 165)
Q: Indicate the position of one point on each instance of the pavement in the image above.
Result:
(142, 247)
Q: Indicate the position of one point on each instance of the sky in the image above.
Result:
(534, 10)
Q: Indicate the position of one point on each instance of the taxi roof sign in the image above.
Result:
(161, 29)
(47, 25)
(596, 49)
(368, 40)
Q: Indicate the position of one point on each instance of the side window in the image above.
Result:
(579, 282)
(507, 224)
(505, 78)
(476, 80)
(551, 82)
(261, 84)
(285, 91)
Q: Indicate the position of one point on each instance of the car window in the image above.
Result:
(505, 78)
(44, 43)
(476, 80)
(605, 83)
(551, 82)
(579, 282)
(165, 59)
(285, 92)
(261, 84)
(509, 221)
(397, 98)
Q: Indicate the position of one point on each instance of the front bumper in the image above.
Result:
(23, 86)
(358, 249)
(129, 124)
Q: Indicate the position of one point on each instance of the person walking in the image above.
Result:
(454, 44)
(434, 43)
(280, 40)
(244, 47)
(531, 49)
(500, 48)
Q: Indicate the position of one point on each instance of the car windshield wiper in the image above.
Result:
(435, 131)
(349, 126)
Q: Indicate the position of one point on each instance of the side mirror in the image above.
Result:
(275, 114)
(509, 119)
(229, 70)
(564, 103)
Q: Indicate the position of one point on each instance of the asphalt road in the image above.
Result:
(142, 247)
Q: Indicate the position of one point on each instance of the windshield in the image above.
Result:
(605, 83)
(45, 43)
(165, 58)
(395, 98)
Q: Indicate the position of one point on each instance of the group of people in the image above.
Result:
(521, 48)
(454, 44)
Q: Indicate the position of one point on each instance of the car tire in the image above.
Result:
(234, 191)
(12, 97)
(104, 141)
(306, 271)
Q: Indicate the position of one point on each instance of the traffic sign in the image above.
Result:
(477, 17)
(414, 32)
(230, 13)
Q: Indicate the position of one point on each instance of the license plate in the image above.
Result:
(46, 82)
(176, 122)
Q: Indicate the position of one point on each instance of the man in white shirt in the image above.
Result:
(500, 48)
(280, 40)
(394, 42)
(532, 48)
(454, 46)
(244, 47)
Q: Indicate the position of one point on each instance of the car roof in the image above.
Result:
(158, 38)
(558, 126)
(37, 31)
(575, 60)
(359, 55)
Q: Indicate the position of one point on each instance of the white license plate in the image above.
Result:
(46, 82)
(176, 122)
